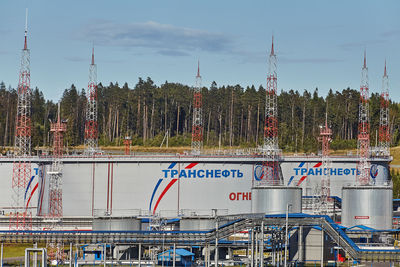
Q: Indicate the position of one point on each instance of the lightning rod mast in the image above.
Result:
(363, 140)
(20, 218)
(197, 126)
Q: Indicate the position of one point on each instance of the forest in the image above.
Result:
(232, 116)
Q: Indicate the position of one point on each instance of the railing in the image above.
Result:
(203, 237)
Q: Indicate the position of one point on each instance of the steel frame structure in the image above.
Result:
(55, 250)
(270, 146)
(363, 139)
(384, 131)
(325, 139)
(20, 218)
(91, 128)
(55, 184)
(197, 125)
(237, 224)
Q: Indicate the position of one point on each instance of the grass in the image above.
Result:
(395, 152)
(15, 250)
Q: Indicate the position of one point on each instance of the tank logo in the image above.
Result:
(317, 171)
(325, 171)
(374, 171)
(258, 172)
(187, 172)
(29, 187)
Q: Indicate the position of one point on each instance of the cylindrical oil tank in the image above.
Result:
(371, 206)
(199, 223)
(116, 224)
(274, 199)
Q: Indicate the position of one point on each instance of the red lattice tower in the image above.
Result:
(384, 133)
(91, 132)
(20, 218)
(363, 140)
(325, 138)
(270, 147)
(127, 143)
(197, 126)
(58, 129)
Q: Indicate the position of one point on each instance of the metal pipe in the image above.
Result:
(104, 254)
(262, 245)
(35, 255)
(44, 258)
(70, 254)
(256, 248)
(301, 244)
(76, 256)
(174, 257)
(1, 254)
(279, 249)
(322, 247)
(273, 244)
(27, 260)
(216, 243)
(140, 254)
(286, 232)
(208, 255)
(252, 247)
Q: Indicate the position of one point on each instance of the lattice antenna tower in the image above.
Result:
(325, 139)
(363, 140)
(384, 133)
(58, 129)
(197, 127)
(20, 218)
(23, 118)
(270, 146)
(91, 130)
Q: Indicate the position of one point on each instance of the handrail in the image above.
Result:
(203, 237)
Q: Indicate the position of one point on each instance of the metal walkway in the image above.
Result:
(237, 224)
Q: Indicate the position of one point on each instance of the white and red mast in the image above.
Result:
(384, 133)
(55, 185)
(197, 126)
(20, 218)
(270, 147)
(325, 138)
(363, 140)
(91, 130)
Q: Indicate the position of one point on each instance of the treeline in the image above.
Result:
(232, 116)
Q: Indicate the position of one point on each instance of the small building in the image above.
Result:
(183, 257)
(93, 252)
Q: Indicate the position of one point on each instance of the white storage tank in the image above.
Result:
(274, 199)
(116, 224)
(371, 206)
(199, 223)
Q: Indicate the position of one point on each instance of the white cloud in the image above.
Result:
(163, 38)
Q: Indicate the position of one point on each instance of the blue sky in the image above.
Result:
(318, 43)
